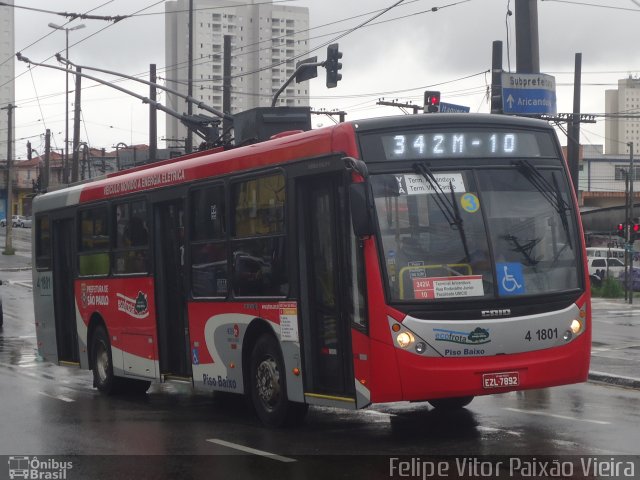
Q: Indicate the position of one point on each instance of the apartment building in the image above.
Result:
(621, 130)
(266, 40)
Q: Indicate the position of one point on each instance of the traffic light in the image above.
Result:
(635, 232)
(621, 230)
(333, 65)
(431, 101)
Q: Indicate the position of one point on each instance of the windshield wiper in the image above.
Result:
(550, 192)
(524, 248)
(448, 206)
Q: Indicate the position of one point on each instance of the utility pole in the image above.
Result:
(66, 99)
(401, 106)
(496, 77)
(573, 128)
(8, 247)
(44, 179)
(153, 116)
(629, 249)
(527, 48)
(226, 85)
(76, 128)
(189, 145)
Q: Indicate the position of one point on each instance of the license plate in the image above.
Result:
(501, 380)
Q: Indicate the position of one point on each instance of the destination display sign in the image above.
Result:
(477, 143)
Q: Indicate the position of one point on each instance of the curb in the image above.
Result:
(616, 380)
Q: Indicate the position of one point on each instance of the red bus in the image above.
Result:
(415, 258)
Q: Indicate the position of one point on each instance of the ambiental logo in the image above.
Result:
(34, 468)
(135, 307)
(475, 337)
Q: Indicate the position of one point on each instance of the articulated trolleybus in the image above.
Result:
(416, 258)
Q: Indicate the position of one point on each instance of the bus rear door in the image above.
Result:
(173, 334)
(63, 290)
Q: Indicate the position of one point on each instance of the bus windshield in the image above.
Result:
(476, 233)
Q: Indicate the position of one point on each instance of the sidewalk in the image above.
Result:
(615, 351)
(13, 263)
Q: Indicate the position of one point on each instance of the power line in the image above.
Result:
(585, 4)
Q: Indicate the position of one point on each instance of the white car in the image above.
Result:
(15, 221)
(603, 267)
(24, 222)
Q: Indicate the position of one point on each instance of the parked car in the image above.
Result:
(25, 222)
(18, 220)
(603, 267)
(14, 221)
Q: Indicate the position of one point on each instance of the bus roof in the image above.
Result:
(315, 143)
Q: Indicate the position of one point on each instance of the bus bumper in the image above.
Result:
(429, 377)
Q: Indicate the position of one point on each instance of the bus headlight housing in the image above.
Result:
(407, 340)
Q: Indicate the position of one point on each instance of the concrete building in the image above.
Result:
(263, 37)
(620, 131)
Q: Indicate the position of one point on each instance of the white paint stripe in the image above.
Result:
(547, 414)
(604, 374)
(375, 412)
(242, 448)
(498, 430)
(58, 397)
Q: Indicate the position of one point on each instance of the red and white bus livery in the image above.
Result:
(421, 258)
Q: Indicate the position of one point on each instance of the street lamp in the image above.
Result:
(66, 100)
(118, 154)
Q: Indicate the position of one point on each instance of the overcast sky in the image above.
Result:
(396, 59)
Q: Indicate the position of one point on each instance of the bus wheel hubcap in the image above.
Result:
(267, 378)
(102, 363)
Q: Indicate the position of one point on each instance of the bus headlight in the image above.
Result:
(576, 326)
(404, 339)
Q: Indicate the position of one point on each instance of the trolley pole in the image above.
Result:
(8, 247)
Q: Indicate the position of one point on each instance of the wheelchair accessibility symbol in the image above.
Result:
(510, 278)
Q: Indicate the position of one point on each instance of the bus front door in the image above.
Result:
(63, 291)
(173, 334)
(325, 324)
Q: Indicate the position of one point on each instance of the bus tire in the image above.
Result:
(268, 387)
(454, 403)
(103, 378)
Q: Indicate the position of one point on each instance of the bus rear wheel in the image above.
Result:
(268, 388)
(455, 403)
(103, 378)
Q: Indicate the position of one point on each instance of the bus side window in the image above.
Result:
(258, 238)
(131, 253)
(208, 242)
(94, 242)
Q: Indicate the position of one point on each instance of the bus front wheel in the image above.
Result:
(455, 403)
(268, 388)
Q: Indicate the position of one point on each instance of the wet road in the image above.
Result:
(51, 410)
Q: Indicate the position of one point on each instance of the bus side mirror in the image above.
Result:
(361, 209)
